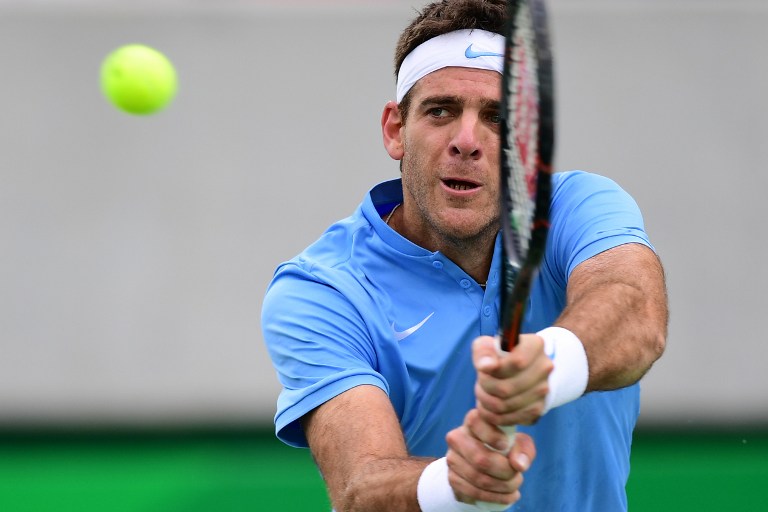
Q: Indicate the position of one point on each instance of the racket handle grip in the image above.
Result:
(510, 431)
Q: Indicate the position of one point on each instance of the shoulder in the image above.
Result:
(582, 182)
(588, 194)
(359, 234)
(590, 214)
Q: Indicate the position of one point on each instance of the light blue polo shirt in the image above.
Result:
(363, 305)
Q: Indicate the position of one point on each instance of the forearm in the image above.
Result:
(357, 443)
(383, 485)
(617, 307)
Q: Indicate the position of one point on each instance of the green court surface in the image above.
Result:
(251, 471)
(699, 471)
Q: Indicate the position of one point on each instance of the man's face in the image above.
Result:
(451, 155)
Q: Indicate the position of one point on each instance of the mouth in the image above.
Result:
(460, 185)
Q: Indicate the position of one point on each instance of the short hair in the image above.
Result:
(446, 16)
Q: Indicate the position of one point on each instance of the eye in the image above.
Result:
(494, 118)
(438, 112)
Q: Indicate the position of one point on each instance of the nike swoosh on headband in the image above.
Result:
(401, 335)
(472, 54)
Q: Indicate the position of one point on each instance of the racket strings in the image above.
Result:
(521, 148)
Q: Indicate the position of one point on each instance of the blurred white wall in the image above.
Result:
(135, 251)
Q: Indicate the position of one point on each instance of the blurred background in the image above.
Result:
(136, 250)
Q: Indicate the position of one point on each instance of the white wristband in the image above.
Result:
(435, 493)
(568, 380)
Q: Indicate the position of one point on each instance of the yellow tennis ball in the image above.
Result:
(138, 79)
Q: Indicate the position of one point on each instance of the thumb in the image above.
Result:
(485, 354)
(523, 452)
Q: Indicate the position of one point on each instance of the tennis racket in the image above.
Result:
(527, 142)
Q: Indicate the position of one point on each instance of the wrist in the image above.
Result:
(568, 380)
(434, 491)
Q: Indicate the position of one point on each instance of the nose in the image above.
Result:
(466, 142)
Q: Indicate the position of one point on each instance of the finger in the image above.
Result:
(528, 349)
(524, 408)
(485, 354)
(486, 432)
(474, 483)
(523, 452)
(465, 492)
(513, 372)
(506, 395)
(474, 460)
(502, 397)
(520, 385)
(527, 416)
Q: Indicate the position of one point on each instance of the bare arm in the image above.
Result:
(617, 306)
(357, 442)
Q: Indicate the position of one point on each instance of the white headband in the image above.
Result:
(463, 48)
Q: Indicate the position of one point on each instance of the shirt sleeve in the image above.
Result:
(590, 214)
(318, 343)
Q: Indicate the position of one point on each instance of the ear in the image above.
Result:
(391, 124)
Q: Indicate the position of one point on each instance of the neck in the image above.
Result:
(473, 257)
(473, 254)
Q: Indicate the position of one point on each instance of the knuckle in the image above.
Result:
(532, 414)
(482, 461)
(476, 424)
(487, 387)
(503, 498)
(459, 486)
(496, 407)
(489, 483)
(483, 387)
(493, 418)
(543, 390)
(491, 404)
(454, 437)
(506, 388)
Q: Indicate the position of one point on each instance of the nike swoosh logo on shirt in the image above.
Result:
(401, 335)
(472, 54)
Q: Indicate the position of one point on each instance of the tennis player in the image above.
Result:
(381, 330)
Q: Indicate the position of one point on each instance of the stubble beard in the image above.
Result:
(442, 233)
